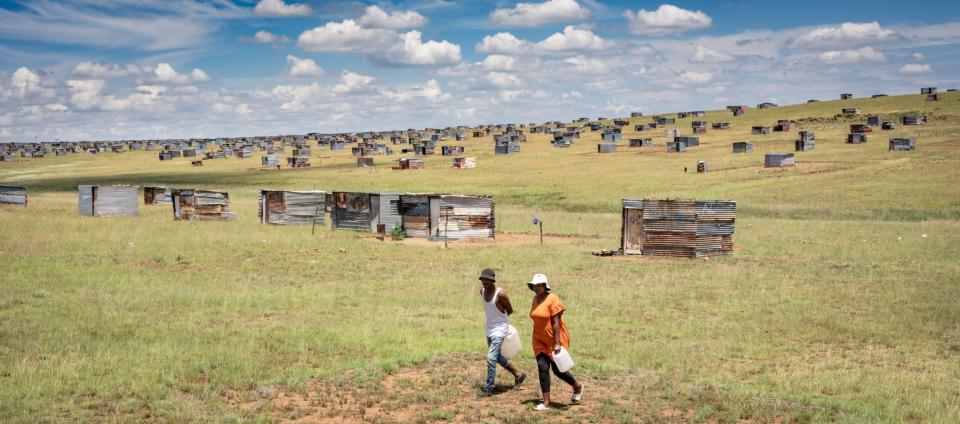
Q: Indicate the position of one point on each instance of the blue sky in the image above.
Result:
(93, 69)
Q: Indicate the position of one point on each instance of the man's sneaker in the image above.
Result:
(517, 382)
(485, 393)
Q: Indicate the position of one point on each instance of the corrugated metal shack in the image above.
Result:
(689, 141)
(606, 148)
(13, 195)
(805, 141)
(364, 211)
(641, 142)
(676, 147)
(464, 217)
(108, 200)
(193, 204)
(903, 144)
(677, 228)
(742, 147)
(759, 130)
(364, 162)
(856, 138)
(465, 163)
(778, 160)
(292, 207)
(409, 163)
(154, 195)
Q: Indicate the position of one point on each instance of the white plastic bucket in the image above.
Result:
(511, 344)
(563, 360)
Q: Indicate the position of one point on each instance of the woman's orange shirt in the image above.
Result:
(542, 329)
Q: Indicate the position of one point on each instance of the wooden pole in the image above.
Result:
(313, 229)
(541, 231)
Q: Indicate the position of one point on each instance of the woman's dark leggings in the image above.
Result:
(543, 368)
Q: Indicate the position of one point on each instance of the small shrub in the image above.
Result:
(398, 233)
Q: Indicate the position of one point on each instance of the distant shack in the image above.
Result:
(903, 144)
(13, 195)
(280, 207)
(190, 204)
(113, 200)
(677, 228)
(155, 195)
(778, 160)
(742, 147)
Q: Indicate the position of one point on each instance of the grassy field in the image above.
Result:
(839, 303)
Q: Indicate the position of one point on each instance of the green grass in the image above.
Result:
(833, 299)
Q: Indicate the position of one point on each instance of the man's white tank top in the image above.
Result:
(496, 320)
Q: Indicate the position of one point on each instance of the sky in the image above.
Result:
(145, 69)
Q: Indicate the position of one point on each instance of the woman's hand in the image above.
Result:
(557, 347)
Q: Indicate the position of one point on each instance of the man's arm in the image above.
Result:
(504, 302)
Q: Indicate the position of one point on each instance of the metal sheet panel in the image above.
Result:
(85, 199)
(13, 195)
(351, 211)
(390, 211)
(116, 201)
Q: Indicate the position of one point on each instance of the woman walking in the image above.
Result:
(549, 335)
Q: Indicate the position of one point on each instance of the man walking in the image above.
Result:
(496, 306)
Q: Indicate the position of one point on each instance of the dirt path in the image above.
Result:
(445, 390)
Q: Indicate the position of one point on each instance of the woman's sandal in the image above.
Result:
(541, 407)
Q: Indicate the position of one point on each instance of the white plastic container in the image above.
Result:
(563, 360)
(511, 344)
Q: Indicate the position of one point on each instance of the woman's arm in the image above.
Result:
(555, 323)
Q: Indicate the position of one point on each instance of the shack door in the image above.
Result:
(435, 216)
(632, 231)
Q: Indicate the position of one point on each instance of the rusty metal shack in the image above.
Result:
(155, 195)
(280, 207)
(190, 204)
(677, 228)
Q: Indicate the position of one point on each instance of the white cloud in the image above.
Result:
(502, 80)
(352, 82)
(430, 91)
(86, 93)
(242, 109)
(413, 51)
(106, 71)
(573, 94)
(502, 43)
(164, 73)
(572, 39)
(691, 77)
(57, 107)
(666, 20)
(280, 9)
(864, 54)
(303, 67)
(845, 34)
(345, 36)
(375, 17)
(918, 56)
(586, 65)
(711, 90)
(498, 62)
(704, 54)
(267, 37)
(915, 68)
(536, 14)
(26, 83)
(293, 97)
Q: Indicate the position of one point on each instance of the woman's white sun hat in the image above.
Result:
(537, 280)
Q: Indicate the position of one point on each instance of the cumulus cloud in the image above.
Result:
(864, 54)
(704, 54)
(267, 37)
(536, 14)
(26, 83)
(917, 56)
(429, 91)
(352, 82)
(375, 17)
(86, 93)
(845, 34)
(586, 65)
(691, 77)
(413, 51)
(915, 68)
(92, 70)
(666, 20)
(572, 39)
(502, 43)
(164, 73)
(278, 8)
(303, 67)
(498, 62)
(502, 80)
(346, 36)
(293, 97)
